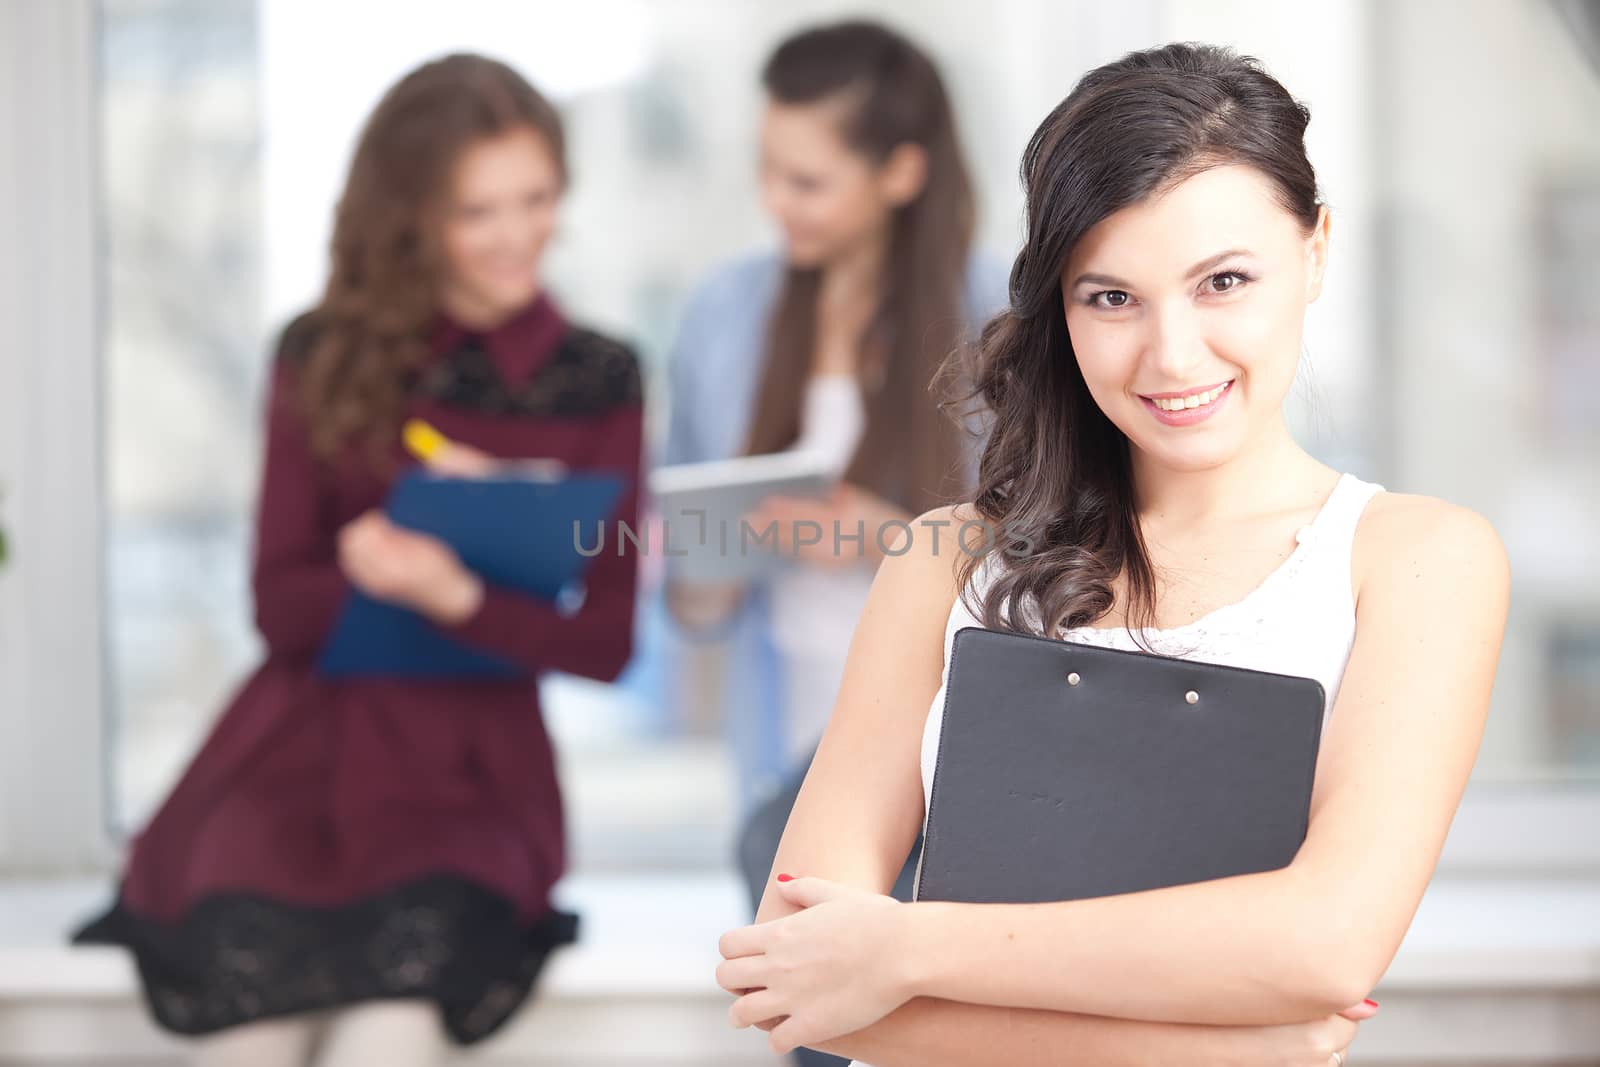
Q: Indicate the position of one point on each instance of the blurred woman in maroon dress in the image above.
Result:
(366, 863)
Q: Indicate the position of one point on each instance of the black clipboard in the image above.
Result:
(1067, 771)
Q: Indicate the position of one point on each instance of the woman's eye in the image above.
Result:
(1110, 298)
(1233, 278)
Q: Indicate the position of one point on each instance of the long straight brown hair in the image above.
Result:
(911, 451)
(370, 328)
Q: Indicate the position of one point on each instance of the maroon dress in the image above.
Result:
(335, 841)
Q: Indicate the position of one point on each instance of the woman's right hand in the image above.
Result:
(1309, 1044)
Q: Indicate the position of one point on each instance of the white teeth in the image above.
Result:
(1180, 403)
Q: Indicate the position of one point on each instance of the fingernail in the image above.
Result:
(1369, 1002)
(785, 877)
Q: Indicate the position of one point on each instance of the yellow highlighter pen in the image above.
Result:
(422, 440)
(426, 443)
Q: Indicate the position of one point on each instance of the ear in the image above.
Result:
(1317, 254)
(904, 174)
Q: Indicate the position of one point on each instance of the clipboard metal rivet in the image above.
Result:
(1192, 697)
(1073, 679)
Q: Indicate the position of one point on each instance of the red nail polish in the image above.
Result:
(785, 877)
(1369, 1002)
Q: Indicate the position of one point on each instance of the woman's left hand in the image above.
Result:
(834, 968)
(401, 566)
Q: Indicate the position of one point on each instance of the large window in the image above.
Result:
(226, 131)
(1489, 308)
(1454, 352)
(181, 180)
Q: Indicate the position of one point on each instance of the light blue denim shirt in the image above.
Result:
(713, 371)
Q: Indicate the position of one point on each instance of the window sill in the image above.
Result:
(1493, 971)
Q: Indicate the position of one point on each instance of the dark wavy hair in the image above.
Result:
(371, 325)
(893, 95)
(1055, 480)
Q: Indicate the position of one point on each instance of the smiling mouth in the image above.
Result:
(1183, 401)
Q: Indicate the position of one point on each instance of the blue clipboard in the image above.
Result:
(513, 531)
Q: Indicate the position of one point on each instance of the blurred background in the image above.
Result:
(167, 176)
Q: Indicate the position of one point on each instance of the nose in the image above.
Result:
(1176, 346)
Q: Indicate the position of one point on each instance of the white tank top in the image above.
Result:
(1300, 620)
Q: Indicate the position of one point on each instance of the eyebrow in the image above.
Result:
(1199, 268)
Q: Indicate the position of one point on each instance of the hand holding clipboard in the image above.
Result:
(510, 527)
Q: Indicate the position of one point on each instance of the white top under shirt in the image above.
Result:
(814, 608)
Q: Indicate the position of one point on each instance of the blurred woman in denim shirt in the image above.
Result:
(830, 344)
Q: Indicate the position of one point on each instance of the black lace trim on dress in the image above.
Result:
(239, 957)
(588, 374)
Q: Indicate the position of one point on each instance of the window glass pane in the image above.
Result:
(223, 161)
(181, 166)
(1489, 300)
(1455, 352)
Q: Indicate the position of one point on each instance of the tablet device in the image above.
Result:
(703, 505)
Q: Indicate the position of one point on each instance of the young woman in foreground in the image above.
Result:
(1140, 453)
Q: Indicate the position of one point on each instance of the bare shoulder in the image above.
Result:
(1406, 540)
(923, 561)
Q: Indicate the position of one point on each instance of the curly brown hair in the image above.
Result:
(1055, 484)
(372, 323)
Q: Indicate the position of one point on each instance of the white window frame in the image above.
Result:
(53, 734)
(56, 719)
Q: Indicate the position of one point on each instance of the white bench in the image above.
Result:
(1493, 972)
